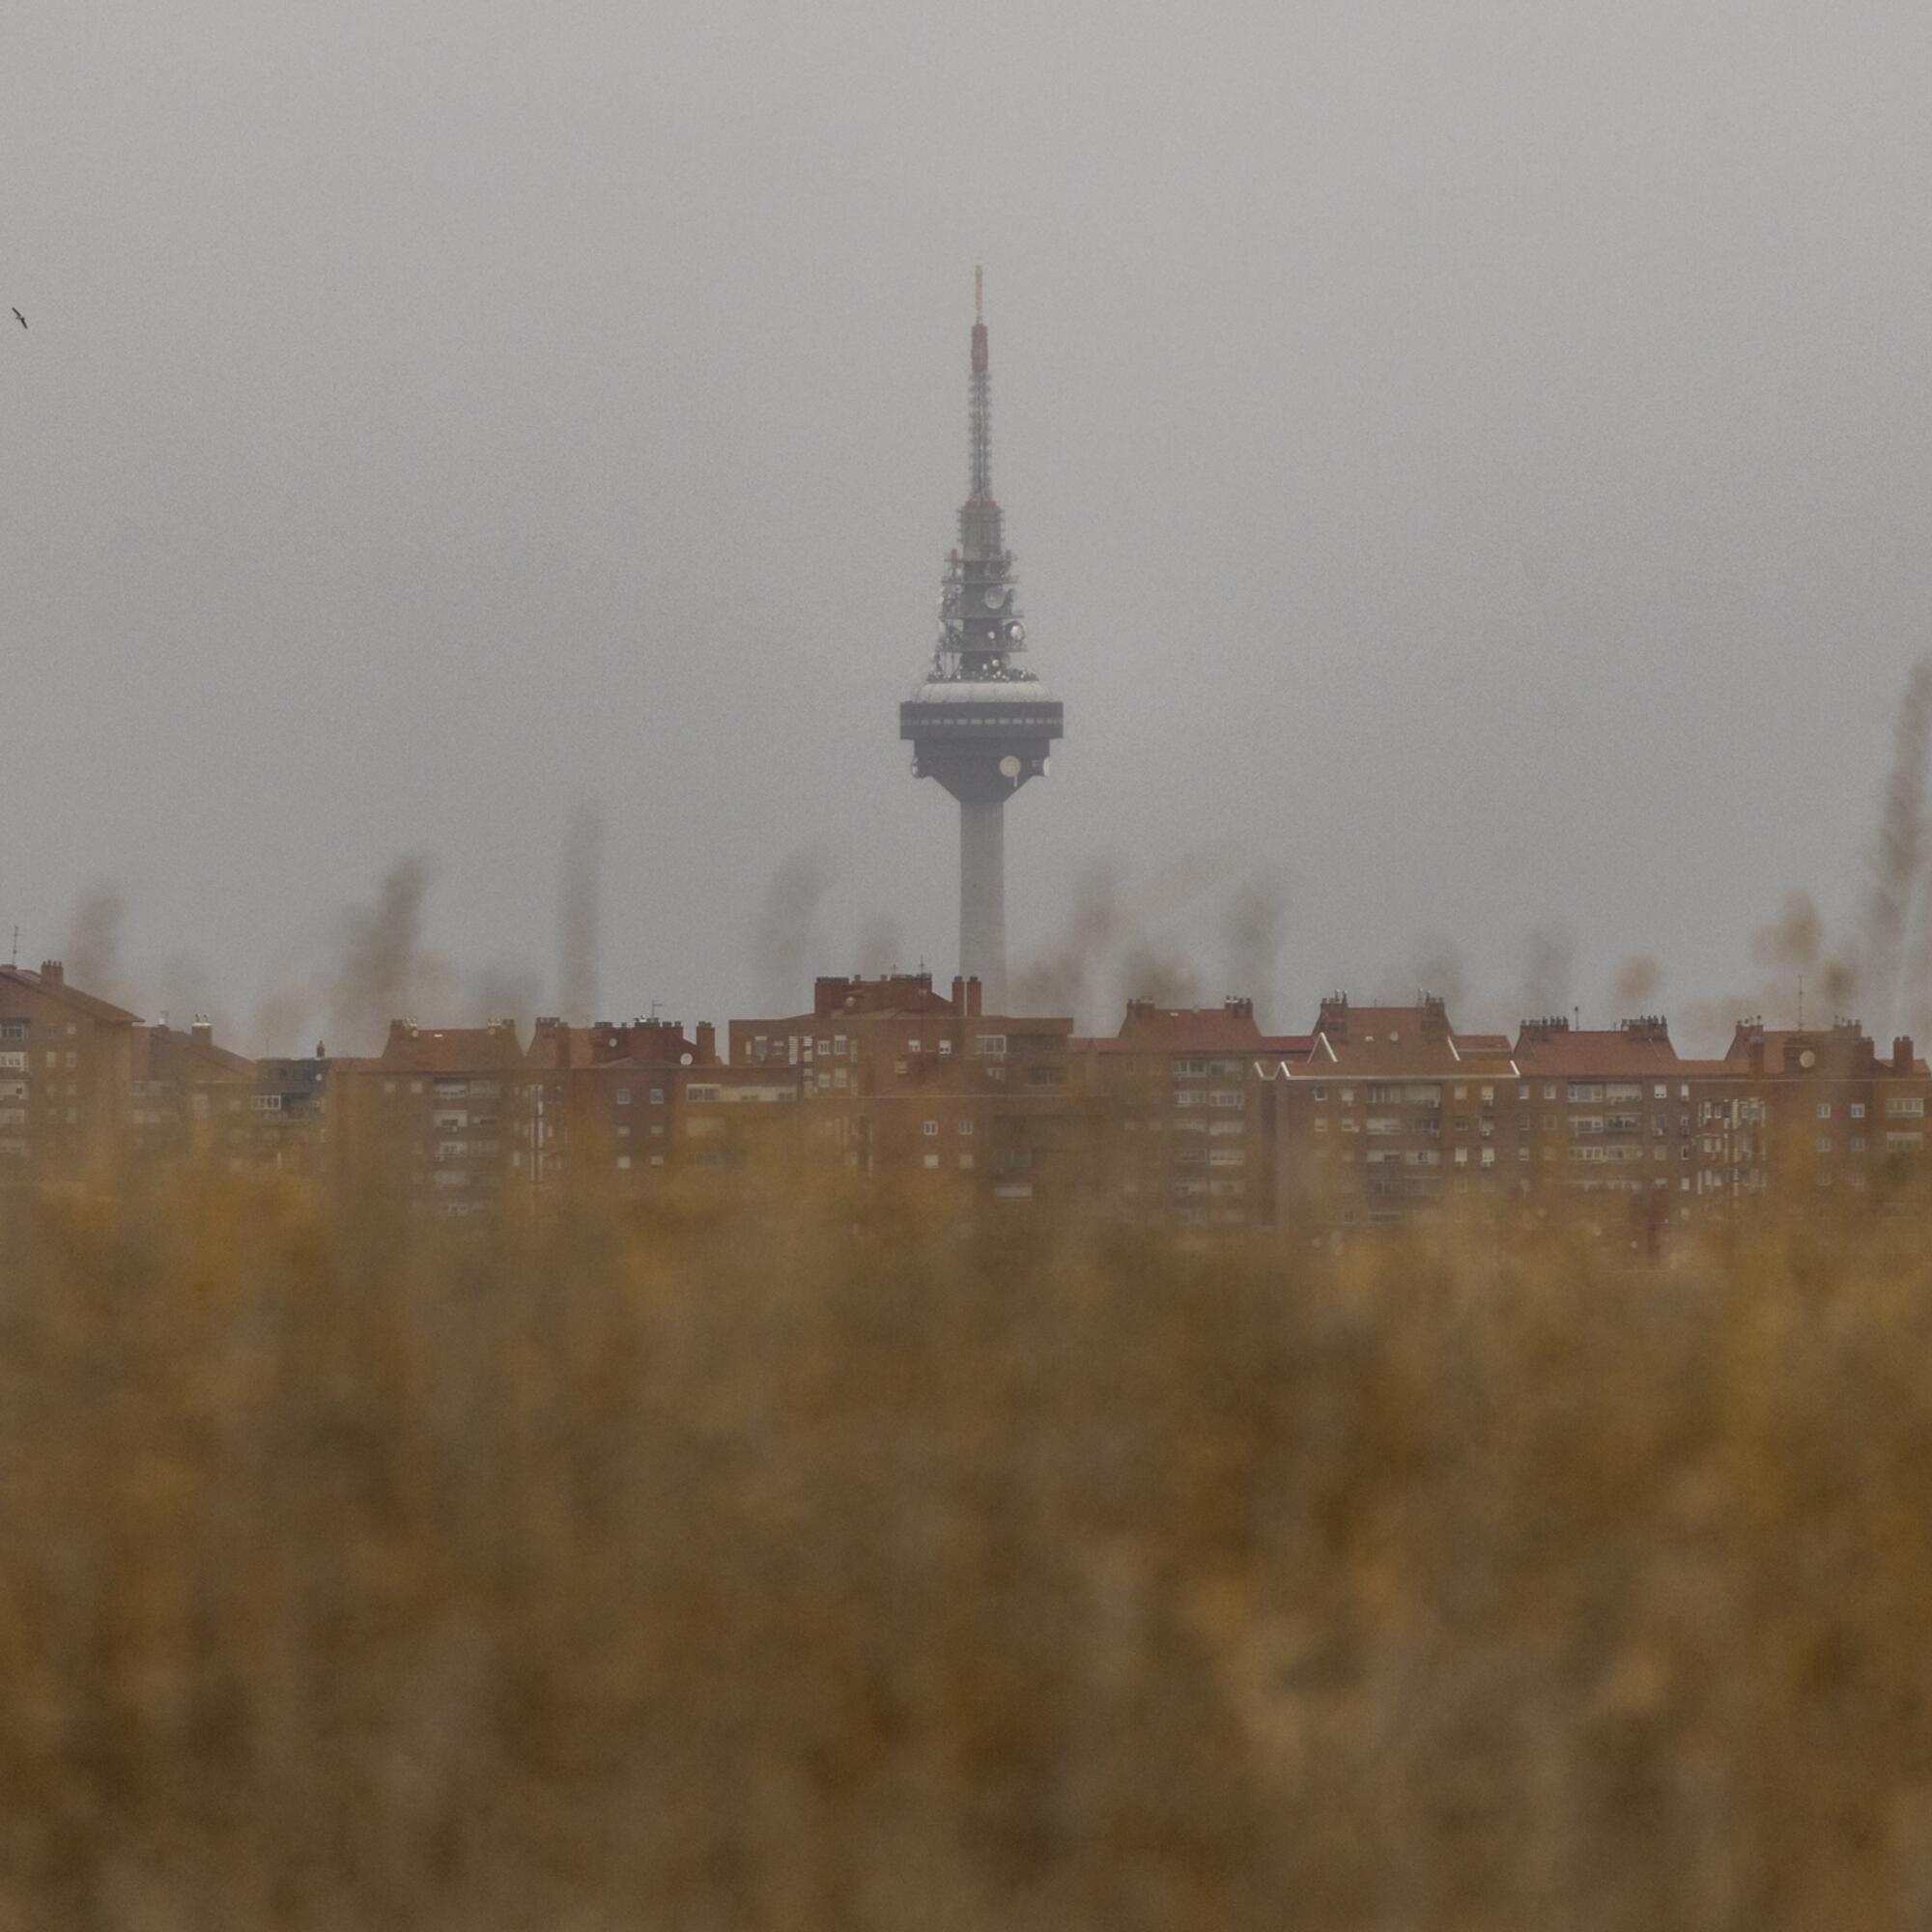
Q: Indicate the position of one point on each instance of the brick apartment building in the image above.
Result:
(1390, 1111)
(626, 1104)
(442, 1117)
(189, 1097)
(1183, 1133)
(896, 1079)
(1809, 1116)
(67, 1078)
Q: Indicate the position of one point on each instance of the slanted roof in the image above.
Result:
(155, 1046)
(55, 987)
(1229, 1028)
(452, 1049)
(1413, 1043)
(1574, 1052)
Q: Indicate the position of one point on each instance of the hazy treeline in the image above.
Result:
(817, 1567)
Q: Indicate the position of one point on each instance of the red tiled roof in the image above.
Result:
(1263, 1046)
(155, 1043)
(452, 1049)
(1840, 1051)
(103, 1011)
(1149, 1028)
(1408, 1056)
(1569, 1050)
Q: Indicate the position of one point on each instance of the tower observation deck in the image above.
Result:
(980, 725)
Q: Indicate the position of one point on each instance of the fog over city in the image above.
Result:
(478, 479)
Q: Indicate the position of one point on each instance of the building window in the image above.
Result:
(1549, 1090)
(965, 1160)
(1321, 1091)
(623, 1160)
(931, 1127)
(1824, 1110)
(1522, 1093)
(965, 1125)
(946, 1049)
(623, 1096)
(1857, 1110)
(932, 1160)
(1897, 1109)
(990, 1045)
(656, 1097)
(912, 1046)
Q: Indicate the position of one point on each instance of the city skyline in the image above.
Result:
(1475, 475)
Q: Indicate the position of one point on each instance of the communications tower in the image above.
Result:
(979, 724)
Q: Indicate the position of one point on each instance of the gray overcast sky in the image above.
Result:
(1473, 456)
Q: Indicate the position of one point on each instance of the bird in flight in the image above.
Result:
(20, 318)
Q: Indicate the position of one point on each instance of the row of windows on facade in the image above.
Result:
(13, 1030)
(841, 1046)
(1426, 1093)
(1462, 1123)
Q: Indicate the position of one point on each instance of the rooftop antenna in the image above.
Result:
(978, 291)
(656, 1005)
(1801, 1002)
(16, 944)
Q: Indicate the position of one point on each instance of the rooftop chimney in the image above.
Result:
(707, 1043)
(54, 973)
(202, 1030)
(1901, 1054)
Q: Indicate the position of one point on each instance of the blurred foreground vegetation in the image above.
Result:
(756, 1565)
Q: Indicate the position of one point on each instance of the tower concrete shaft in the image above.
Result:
(979, 724)
(982, 898)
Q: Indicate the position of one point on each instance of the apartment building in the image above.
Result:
(442, 1117)
(67, 1078)
(628, 1103)
(188, 1097)
(1183, 1136)
(1809, 1116)
(1391, 1112)
(898, 1079)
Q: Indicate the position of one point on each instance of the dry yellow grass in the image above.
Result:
(766, 1566)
